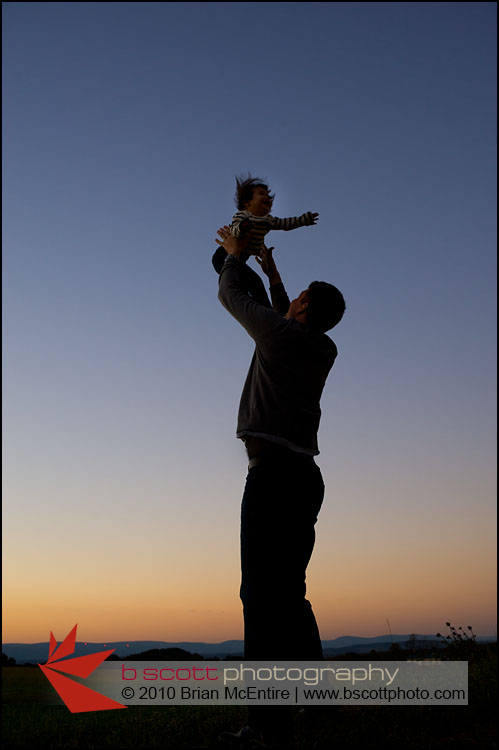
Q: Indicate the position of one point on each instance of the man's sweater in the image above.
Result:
(281, 396)
(253, 285)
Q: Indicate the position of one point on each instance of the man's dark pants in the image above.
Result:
(281, 502)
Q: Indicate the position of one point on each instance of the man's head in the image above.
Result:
(253, 195)
(321, 306)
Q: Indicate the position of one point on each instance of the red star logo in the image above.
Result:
(77, 697)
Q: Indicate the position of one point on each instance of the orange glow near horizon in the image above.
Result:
(348, 607)
(139, 582)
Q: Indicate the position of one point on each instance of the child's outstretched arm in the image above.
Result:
(293, 222)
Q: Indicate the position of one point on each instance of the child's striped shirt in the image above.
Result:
(261, 225)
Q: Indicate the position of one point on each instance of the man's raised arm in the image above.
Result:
(257, 319)
(280, 299)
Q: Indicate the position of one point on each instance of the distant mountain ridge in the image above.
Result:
(38, 652)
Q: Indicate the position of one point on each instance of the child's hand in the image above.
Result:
(245, 227)
(315, 217)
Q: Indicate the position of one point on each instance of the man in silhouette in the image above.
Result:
(278, 421)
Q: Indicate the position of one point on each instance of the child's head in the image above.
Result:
(253, 195)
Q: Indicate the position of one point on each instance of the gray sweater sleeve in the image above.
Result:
(259, 321)
(280, 299)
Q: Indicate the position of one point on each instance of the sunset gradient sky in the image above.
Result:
(124, 125)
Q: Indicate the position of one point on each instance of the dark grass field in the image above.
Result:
(31, 720)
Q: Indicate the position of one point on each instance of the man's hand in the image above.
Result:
(267, 263)
(315, 217)
(233, 245)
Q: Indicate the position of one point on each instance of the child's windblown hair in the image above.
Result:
(245, 188)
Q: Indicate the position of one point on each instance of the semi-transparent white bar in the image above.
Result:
(244, 683)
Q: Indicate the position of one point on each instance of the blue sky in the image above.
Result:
(124, 127)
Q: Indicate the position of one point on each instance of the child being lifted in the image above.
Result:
(254, 202)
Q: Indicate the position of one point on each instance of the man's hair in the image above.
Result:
(325, 306)
(245, 188)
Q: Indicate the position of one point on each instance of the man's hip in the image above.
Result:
(269, 453)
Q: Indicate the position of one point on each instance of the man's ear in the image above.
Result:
(302, 312)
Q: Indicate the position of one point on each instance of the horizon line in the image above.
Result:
(228, 640)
